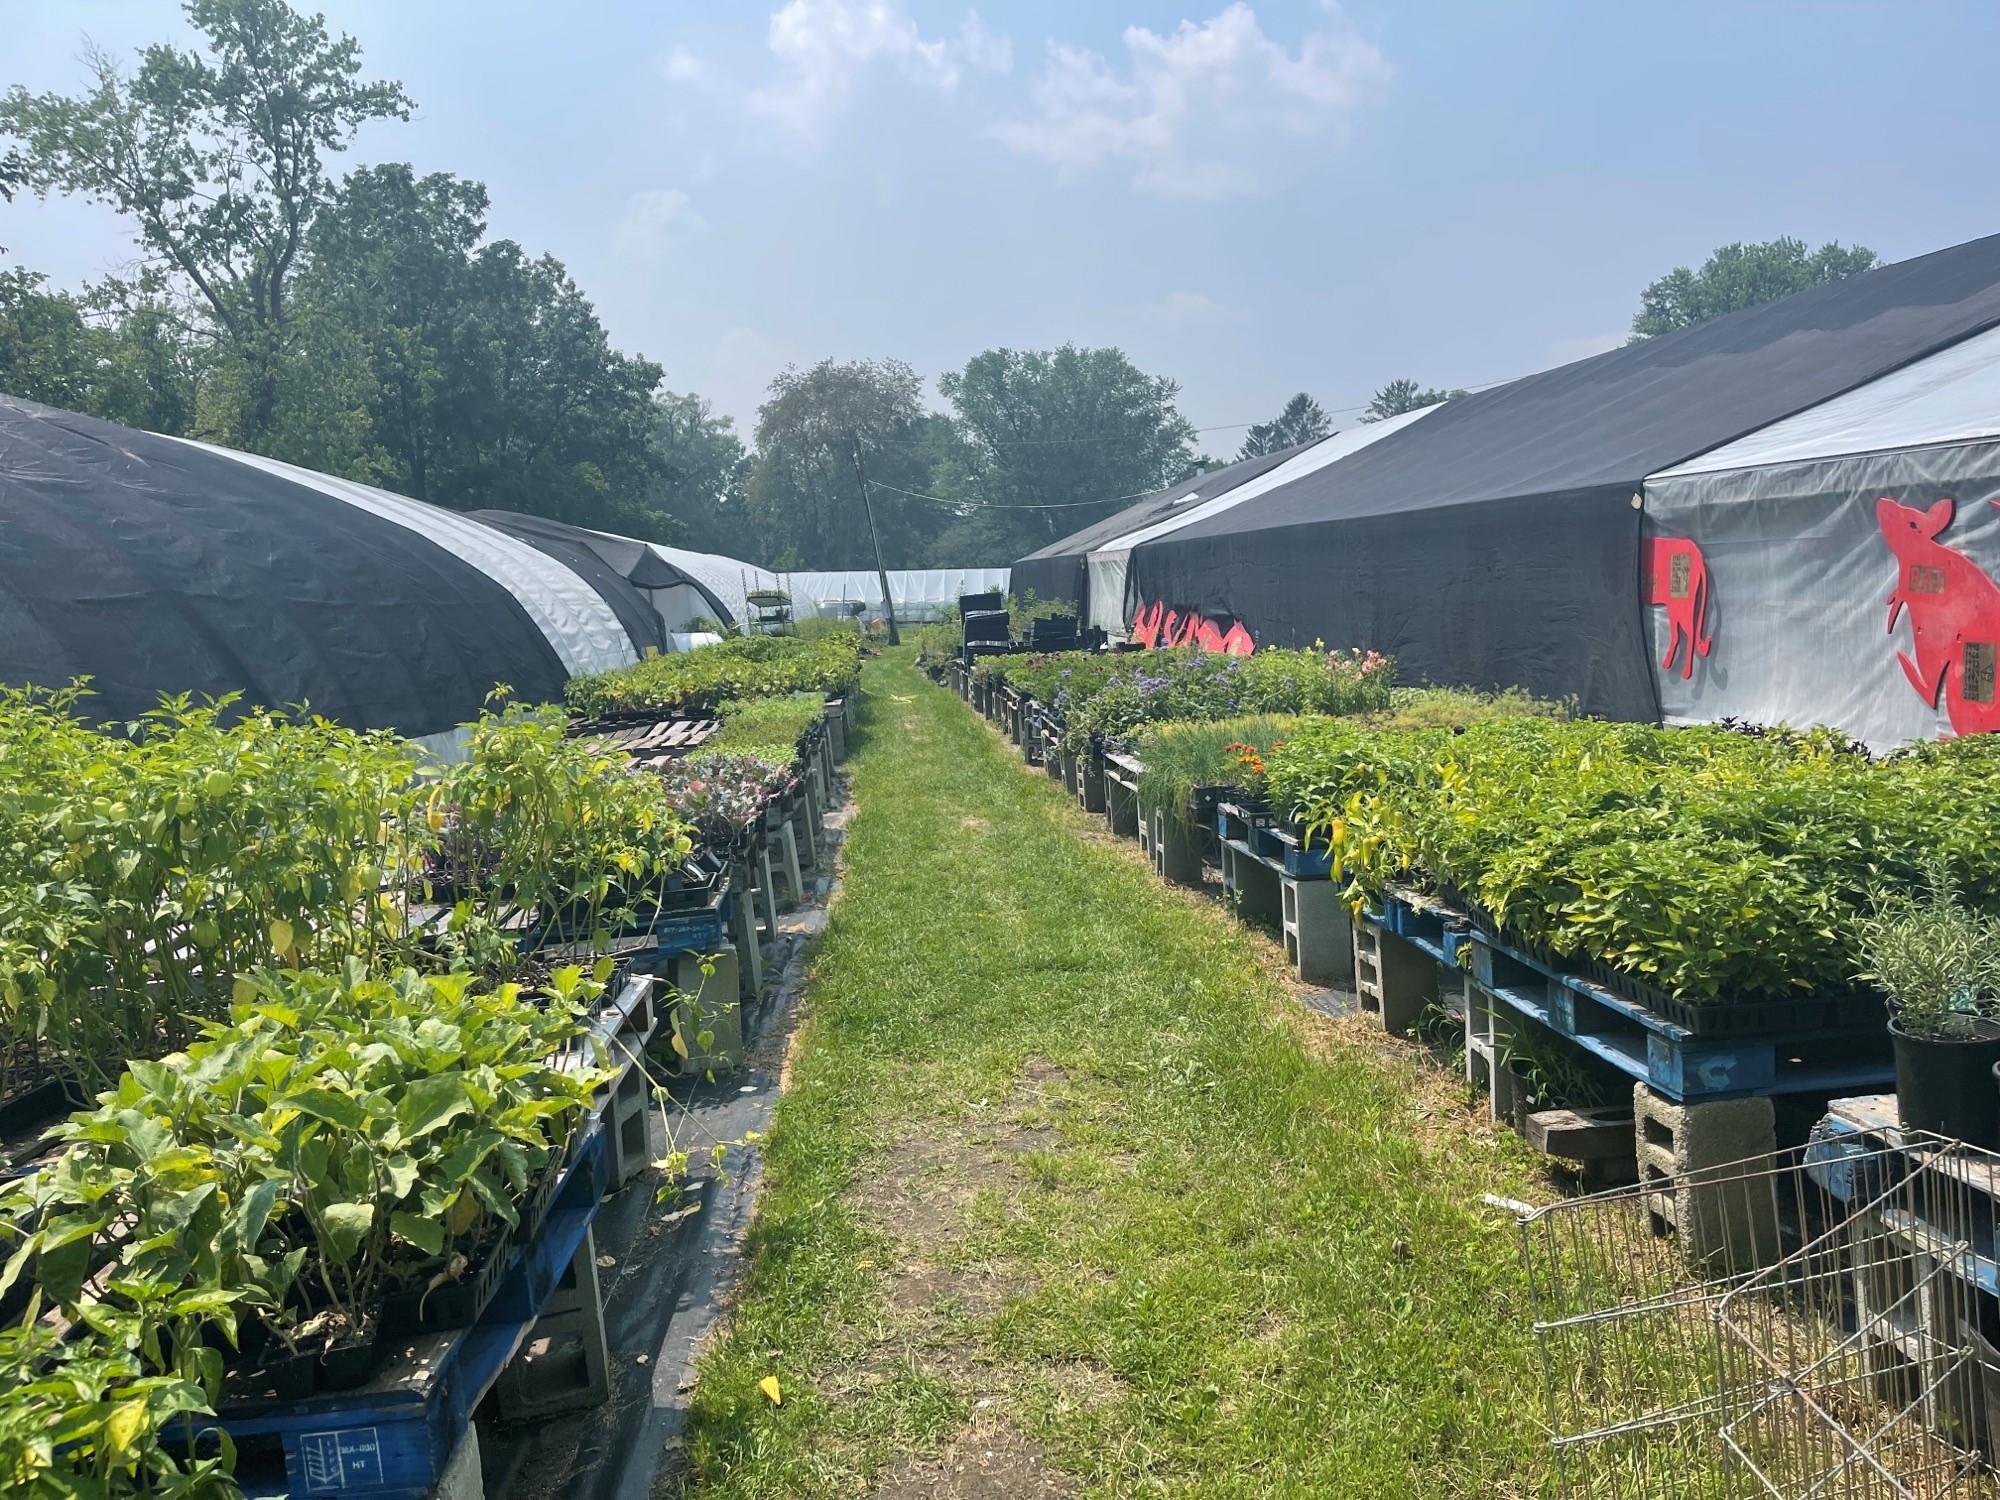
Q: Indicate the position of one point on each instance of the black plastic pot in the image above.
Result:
(344, 1366)
(278, 1378)
(1946, 1084)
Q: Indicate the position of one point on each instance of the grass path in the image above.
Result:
(1067, 1196)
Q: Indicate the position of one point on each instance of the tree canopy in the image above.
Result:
(1301, 421)
(1738, 276)
(1041, 442)
(1399, 396)
(217, 158)
(816, 434)
(363, 327)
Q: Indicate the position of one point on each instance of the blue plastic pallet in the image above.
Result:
(1670, 1058)
(1268, 844)
(391, 1439)
(1846, 1156)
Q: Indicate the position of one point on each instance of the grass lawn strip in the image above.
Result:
(1067, 1197)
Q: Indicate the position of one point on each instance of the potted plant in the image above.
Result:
(1939, 964)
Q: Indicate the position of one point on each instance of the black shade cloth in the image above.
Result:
(1496, 541)
(1061, 571)
(633, 560)
(152, 566)
(571, 546)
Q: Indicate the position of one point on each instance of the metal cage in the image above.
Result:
(1813, 1323)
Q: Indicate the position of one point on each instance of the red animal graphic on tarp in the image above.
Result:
(1954, 615)
(1156, 625)
(1677, 576)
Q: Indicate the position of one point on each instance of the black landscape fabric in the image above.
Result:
(571, 546)
(1496, 541)
(151, 566)
(1059, 570)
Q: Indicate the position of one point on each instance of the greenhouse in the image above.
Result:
(1502, 539)
(494, 1009)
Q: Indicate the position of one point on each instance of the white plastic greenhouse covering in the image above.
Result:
(728, 578)
(1111, 611)
(919, 593)
(1847, 559)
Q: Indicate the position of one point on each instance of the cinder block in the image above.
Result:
(1252, 885)
(1319, 930)
(565, 1360)
(1090, 784)
(464, 1477)
(1725, 1219)
(1174, 846)
(1488, 1027)
(706, 1003)
(1395, 980)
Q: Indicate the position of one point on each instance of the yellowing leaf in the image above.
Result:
(769, 1386)
(281, 937)
(680, 1045)
(128, 1420)
(241, 990)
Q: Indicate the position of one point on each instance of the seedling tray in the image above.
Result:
(1679, 1063)
(391, 1438)
(456, 1304)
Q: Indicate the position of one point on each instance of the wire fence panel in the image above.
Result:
(1801, 1325)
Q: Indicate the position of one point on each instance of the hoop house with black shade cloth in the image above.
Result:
(156, 565)
(1497, 541)
(1061, 569)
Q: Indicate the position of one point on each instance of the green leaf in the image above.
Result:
(426, 1234)
(324, 1104)
(347, 1225)
(432, 1102)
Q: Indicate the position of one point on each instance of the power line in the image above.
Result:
(988, 505)
(1331, 411)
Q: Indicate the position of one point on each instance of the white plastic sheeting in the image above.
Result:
(1952, 396)
(728, 578)
(919, 593)
(1110, 610)
(580, 627)
(1809, 527)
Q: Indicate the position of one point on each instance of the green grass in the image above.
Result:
(1055, 1141)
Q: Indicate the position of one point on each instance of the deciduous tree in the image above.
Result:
(1738, 276)
(217, 156)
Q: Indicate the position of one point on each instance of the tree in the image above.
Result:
(73, 352)
(705, 468)
(481, 376)
(1044, 442)
(804, 495)
(1301, 421)
(1399, 396)
(217, 158)
(13, 176)
(1738, 276)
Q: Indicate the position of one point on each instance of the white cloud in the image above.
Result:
(1180, 311)
(822, 47)
(1196, 107)
(654, 220)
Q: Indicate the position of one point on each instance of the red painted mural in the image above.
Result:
(1954, 615)
(1156, 625)
(1677, 577)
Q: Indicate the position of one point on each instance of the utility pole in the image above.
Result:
(888, 604)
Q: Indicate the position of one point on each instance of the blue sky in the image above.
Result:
(1254, 198)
